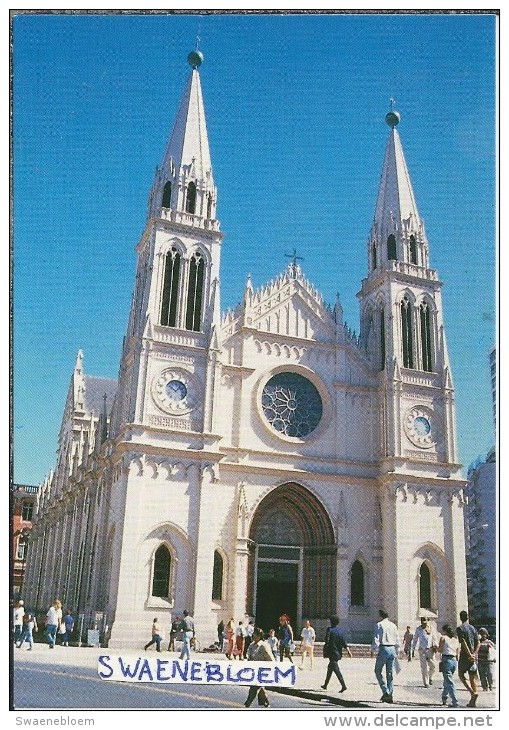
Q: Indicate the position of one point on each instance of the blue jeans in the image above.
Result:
(186, 645)
(26, 636)
(385, 658)
(51, 634)
(449, 665)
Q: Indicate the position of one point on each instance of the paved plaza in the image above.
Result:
(362, 689)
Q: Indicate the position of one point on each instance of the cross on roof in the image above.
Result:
(294, 258)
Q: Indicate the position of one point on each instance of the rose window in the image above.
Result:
(291, 404)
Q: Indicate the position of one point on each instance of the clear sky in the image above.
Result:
(295, 109)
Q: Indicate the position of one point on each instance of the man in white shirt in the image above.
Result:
(17, 617)
(426, 641)
(386, 646)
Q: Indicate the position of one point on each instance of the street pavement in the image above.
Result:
(362, 688)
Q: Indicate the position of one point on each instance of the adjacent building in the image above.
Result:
(23, 499)
(264, 459)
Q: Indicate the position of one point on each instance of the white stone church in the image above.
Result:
(263, 460)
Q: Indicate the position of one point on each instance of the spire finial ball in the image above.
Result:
(195, 59)
(392, 119)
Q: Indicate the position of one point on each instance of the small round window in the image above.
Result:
(291, 404)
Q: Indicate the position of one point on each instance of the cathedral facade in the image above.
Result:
(266, 459)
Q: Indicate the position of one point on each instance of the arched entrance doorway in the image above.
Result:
(293, 558)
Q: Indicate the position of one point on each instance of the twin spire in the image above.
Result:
(184, 189)
(184, 183)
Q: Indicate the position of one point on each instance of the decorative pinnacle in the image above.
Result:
(195, 58)
(392, 118)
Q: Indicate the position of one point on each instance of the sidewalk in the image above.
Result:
(363, 691)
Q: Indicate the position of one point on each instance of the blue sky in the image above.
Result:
(295, 110)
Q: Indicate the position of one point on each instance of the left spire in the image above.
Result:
(184, 188)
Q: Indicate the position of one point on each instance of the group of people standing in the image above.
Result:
(57, 625)
(464, 649)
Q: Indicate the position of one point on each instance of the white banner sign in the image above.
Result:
(123, 668)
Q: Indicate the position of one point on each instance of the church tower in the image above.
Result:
(402, 333)
(175, 308)
(402, 328)
(162, 418)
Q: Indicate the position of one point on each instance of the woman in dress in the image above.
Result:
(229, 635)
(285, 636)
(449, 648)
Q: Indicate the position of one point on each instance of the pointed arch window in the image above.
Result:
(406, 333)
(209, 205)
(425, 321)
(170, 288)
(382, 339)
(373, 256)
(217, 577)
(391, 248)
(167, 195)
(191, 198)
(195, 292)
(413, 250)
(425, 586)
(357, 593)
(161, 572)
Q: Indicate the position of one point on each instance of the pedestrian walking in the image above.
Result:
(426, 641)
(385, 645)
(248, 638)
(29, 626)
(17, 620)
(53, 620)
(449, 648)
(308, 637)
(188, 633)
(175, 628)
(333, 651)
(238, 648)
(486, 658)
(285, 636)
(220, 634)
(469, 641)
(156, 636)
(407, 643)
(69, 627)
(259, 651)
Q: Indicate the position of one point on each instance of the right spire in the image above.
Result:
(397, 232)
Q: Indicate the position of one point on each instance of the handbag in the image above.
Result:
(440, 666)
(61, 628)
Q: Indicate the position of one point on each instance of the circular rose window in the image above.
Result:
(291, 404)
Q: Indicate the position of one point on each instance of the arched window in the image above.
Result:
(167, 195)
(413, 250)
(406, 333)
(425, 319)
(382, 339)
(425, 587)
(209, 205)
(217, 577)
(373, 256)
(170, 288)
(391, 248)
(195, 292)
(161, 575)
(191, 198)
(357, 584)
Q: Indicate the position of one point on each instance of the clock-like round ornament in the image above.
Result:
(173, 391)
(418, 424)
